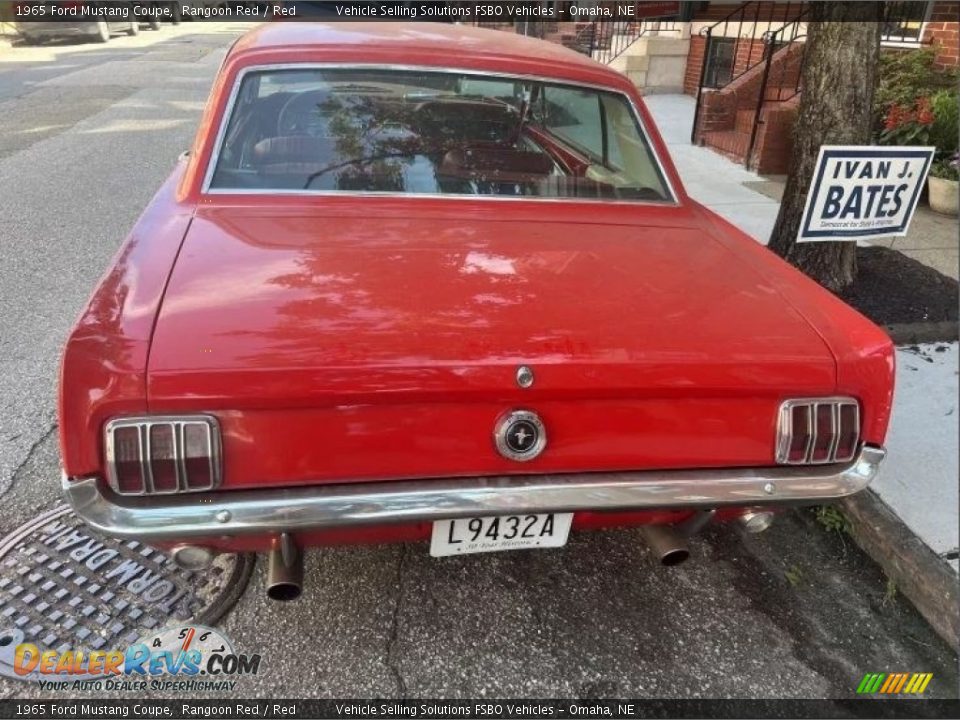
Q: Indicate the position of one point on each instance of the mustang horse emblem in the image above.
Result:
(520, 435)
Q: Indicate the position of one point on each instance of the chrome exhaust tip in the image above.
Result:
(191, 557)
(756, 521)
(284, 569)
(667, 545)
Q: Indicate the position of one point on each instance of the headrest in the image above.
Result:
(292, 149)
(496, 163)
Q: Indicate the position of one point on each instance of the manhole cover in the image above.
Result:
(63, 587)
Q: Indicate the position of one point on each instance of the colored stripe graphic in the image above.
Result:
(900, 684)
(891, 680)
(894, 683)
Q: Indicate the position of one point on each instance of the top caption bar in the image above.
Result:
(330, 10)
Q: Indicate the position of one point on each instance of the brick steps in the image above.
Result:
(744, 120)
(726, 118)
(777, 94)
(732, 143)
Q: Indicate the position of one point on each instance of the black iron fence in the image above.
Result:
(609, 40)
(742, 41)
(785, 79)
(903, 22)
(603, 40)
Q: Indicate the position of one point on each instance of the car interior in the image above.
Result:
(435, 134)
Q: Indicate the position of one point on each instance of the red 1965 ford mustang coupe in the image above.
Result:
(437, 282)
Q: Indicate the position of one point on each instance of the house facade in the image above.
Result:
(741, 60)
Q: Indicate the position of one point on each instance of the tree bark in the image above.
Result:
(839, 79)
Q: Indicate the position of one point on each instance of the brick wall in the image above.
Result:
(774, 144)
(691, 77)
(767, 10)
(941, 31)
(748, 52)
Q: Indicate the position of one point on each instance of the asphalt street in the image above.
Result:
(87, 134)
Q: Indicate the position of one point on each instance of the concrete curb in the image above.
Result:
(914, 333)
(919, 573)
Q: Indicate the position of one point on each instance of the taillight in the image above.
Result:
(163, 454)
(818, 431)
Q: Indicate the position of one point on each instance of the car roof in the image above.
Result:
(412, 42)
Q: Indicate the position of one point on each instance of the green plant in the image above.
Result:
(948, 168)
(794, 575)
(944, 133)
(833, 519)
(890, 593)
(906, 76)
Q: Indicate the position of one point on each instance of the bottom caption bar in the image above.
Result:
(479, 709)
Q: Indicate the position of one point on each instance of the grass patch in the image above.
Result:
(890, 593)
(833, 519)
(794, 575)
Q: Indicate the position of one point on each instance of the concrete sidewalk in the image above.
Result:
(710, 178)
(751, 201)
(931, 238)
(919, 479)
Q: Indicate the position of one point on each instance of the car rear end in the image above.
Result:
(421, 303)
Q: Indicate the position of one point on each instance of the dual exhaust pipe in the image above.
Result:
(284, 569)
(668, 543)
(284, 565)
(669, 546)
(285, 559)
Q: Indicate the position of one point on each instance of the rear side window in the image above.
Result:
(432, 133)
(574, 115)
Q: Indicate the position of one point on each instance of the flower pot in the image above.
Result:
(943, 195)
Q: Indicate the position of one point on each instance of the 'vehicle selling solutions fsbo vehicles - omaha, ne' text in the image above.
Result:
(437, 282)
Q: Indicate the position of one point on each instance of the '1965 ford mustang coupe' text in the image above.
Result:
(438, 282)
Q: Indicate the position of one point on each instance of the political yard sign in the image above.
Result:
(861, 192)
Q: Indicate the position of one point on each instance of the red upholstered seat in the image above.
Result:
(496, 164)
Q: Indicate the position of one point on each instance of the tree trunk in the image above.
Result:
(839, 79)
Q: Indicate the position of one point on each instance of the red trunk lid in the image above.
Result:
(338, 347)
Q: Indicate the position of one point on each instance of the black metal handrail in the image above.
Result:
(743, 22)
(609, 40)
(781, 42)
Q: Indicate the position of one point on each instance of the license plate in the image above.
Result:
(504, 532)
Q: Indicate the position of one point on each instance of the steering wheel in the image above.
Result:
(299, 113)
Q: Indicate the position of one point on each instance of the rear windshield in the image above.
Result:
(433, 133)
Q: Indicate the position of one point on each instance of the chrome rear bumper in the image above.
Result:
(238, 512)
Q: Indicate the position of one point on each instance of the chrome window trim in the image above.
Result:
(357, 504)
(205, 188)
(178, 424)
(785, 429)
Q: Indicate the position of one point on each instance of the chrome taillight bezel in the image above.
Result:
(785, 430)
(178, 425)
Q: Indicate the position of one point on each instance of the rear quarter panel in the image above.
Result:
(103, 368)
(864, 353)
